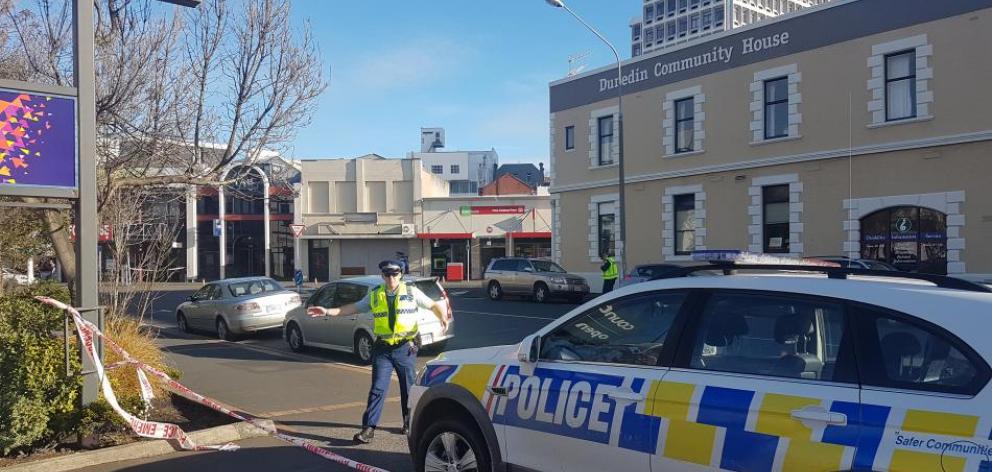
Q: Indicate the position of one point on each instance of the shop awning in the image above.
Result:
(445, 235)
(531, 234)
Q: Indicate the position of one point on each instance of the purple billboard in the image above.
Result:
(37, 140)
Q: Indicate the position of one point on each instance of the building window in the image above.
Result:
(648, 35)
(570, 135)
(777, 108)
(606, 229)
(694, 23)
(648, 14)
(685, 223)
(693, 4)
(684, 124)
(604, 126)
(682, 5)
(635, 50)
(635, 32)
(659, 35)
(437, 170)
(683, 26)
(671, 8)
(670, 27)
(455, 169)
(900, 85)
(775, 211)
(707, 19)
(911, 238)
(659, 11)
(718, 16)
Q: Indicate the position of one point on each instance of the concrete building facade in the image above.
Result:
(790, 136)
(665, 23)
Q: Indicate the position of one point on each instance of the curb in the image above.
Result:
(141, 449)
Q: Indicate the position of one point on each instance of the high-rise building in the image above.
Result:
(664, 23)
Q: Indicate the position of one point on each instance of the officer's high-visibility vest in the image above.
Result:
(611, 272)
(406, 315)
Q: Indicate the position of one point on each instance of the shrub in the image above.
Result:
(37, 400)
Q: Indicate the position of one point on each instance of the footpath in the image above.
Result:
(311, 397)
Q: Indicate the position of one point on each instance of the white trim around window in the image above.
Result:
(948, 203)
(594, 117)
(756, 211)
(924, 75)
(757, 89)
(668, 220)
(594, 202)
(668, 123)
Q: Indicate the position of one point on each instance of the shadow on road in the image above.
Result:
(271, 458)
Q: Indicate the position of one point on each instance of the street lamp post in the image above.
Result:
(622, 233)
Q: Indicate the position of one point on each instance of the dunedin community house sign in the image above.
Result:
(37, 140)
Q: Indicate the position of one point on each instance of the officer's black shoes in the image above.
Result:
(366, 435)
(406, 425)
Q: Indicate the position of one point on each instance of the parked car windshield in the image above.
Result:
(430, 288)
(547, 266)
(253, 287)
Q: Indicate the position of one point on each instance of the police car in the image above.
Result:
(806, 368)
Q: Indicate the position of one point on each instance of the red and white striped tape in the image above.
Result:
(152, 429)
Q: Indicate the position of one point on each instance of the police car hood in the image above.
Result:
(479, 354)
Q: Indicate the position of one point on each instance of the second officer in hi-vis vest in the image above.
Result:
(394, 306)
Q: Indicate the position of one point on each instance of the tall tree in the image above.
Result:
(181, 93)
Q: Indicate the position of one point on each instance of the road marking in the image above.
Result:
(332, 407)
(487, 313)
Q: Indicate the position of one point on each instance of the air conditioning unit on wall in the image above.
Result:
(408, 229)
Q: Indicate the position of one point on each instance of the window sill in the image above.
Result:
(569, 150)
(776, 140)
(607, 166)
(918, 119)
(684, 154)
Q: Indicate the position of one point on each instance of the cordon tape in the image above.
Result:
(153, 429)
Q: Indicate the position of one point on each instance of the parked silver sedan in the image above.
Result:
(232, 307)
(354, 333)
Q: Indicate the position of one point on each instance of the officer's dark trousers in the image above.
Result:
(608, 285)
(385, 358)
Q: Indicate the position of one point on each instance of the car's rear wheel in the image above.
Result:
(495, 291)
(541, 293)
(182, 323)
(295, 338)
(223, 332)
(363, 347)
(452, 445)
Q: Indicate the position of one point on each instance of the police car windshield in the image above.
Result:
(547, 266)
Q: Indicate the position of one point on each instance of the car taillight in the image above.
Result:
(247, 307)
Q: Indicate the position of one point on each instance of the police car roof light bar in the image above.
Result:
(941, 281)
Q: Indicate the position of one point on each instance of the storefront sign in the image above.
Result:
(777, 38)
(38, 142)
(492, 210)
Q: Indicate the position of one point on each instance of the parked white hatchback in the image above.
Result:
(354, 333)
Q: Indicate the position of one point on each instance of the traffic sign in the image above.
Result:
(298, 277)
(298, 230)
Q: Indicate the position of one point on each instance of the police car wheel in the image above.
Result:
(363, 348)
(495, 291)
(452, 445)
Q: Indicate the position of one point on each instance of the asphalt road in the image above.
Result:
(319, 395)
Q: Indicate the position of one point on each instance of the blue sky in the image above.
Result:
(479, 69)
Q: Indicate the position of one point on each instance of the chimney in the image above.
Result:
(540, 166)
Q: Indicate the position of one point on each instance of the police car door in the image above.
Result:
(761, 381)
(584, 404)
(924, 389)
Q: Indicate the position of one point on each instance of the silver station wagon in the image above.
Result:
(232, 307)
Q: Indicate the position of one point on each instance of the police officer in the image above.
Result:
(394, 310)
(610, 272)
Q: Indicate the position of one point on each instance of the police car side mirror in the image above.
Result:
(529, 349)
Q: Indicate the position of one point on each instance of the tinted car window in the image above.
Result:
(430, 288)
(911, 355)
(348, 293)
(626, 331)
(547, 266)
(324, 297)
(504, 264)
(769, 335)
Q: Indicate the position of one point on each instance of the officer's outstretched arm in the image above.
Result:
(317, 311)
